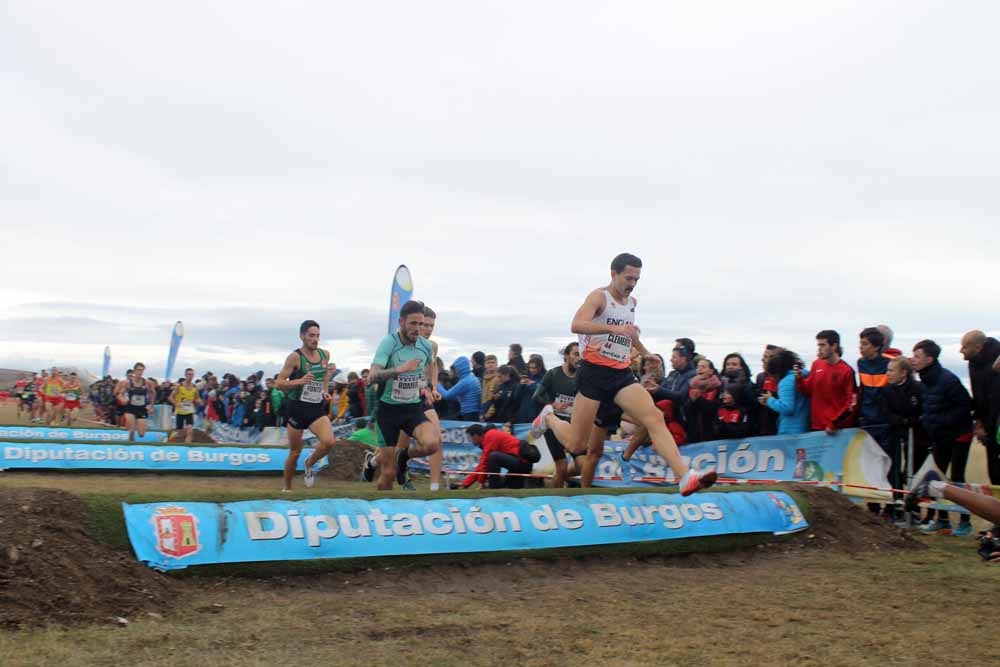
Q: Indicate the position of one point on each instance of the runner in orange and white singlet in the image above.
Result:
(71, 393)
(38, 409)
(606, 385)
(52, 395)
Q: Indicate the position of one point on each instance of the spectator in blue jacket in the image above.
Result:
(467, 391)
(792, 407)
(872, 368)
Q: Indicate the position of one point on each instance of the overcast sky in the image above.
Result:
(780, 167)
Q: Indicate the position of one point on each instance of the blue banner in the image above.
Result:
(44, 433)
(849, 456)
(402, 291)
(174, 535)
(41, 456)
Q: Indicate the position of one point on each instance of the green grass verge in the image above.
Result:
(107, 524)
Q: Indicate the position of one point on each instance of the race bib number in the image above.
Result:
(406, 388)
(138, 400)
(312, 393)
(563, 399)
(71, 396)
(187, 407)
(617, 348)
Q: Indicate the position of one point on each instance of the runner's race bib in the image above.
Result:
(617, 348)
(406, 388)
(312, 393)
(568, 400)
(187, 407)
(71, 396)
(138, 400)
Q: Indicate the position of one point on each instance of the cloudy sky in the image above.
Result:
(780, 167)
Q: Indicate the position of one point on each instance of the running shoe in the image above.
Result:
(539, 427)
(920, 490)
(408, 485)
(626, 467)
(694, 481)
(368, 467)
(310, 476)
(964, 529)
(937, 526)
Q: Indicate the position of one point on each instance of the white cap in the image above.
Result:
(340, 378)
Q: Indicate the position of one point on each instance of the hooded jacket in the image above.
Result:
(467, 391)
(872, 380)
(792, 407)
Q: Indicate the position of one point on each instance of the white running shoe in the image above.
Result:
(310, 477)
(539, 427)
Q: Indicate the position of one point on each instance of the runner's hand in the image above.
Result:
(411, 365)
(306, 379)
(436, 395)
(630, 330)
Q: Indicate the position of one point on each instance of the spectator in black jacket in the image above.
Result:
(676, 385)
(764, 421)
(516, 360)
(982, 353)
(948, 420)
(902, 403)
(507, 397)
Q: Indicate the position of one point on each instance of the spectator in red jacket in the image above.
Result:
(830, 385)
(500, 450)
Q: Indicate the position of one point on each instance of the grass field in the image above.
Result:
(762, 604)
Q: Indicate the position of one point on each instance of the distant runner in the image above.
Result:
(605, 384)
(135, 394)
(185, 398)
(305, 378)
(52, 395)
(71, 398)
(558, 389)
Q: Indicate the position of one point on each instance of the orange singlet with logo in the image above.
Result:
(610, 350)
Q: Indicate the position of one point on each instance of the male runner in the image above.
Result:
(184, 398)
(26, 398)
(304, 378)
(71, 398)
(19, 386)
(431, 396)
(404, 366)
(38, 409)
(558, 389)
(52, 395)
(605, 384)
(135, 394)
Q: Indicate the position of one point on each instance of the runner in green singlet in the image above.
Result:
(305, 378)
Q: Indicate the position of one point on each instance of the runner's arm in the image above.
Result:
(331, 368)
(591, 308)
(172, 400)
(283, 383)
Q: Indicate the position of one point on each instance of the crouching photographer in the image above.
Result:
(501, 450)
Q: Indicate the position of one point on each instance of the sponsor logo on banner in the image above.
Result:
(176, 532)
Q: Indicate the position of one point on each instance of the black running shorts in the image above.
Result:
(600, 383)
(301, 415)
(394, 418)
(180, 421)
(137, 411)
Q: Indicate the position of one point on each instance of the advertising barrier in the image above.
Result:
(174, 535)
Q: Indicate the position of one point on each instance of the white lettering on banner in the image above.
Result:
(232, 458)
(316, 528)
(741, 461)
(608, 515)
(71, 454)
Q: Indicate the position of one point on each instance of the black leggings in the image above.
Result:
(498, 460)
